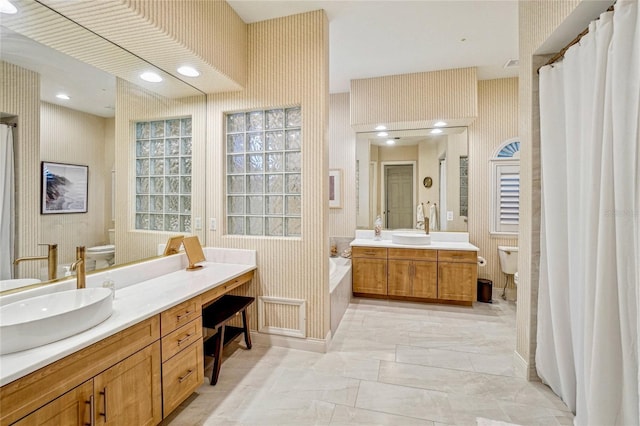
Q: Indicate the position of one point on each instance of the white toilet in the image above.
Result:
(102, 255)
(509, 264)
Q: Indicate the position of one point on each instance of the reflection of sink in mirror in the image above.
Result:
(411, 238)
(44, 319)
(17, 283)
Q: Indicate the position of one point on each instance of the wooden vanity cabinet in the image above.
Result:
(182, 353)
(369, 270)
(72, 408)
(457, 275)
(412, 273)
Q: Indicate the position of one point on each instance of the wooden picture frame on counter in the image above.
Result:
(194, 252)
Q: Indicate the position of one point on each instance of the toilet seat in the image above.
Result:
(102, 249)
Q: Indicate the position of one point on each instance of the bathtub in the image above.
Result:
(339, 289)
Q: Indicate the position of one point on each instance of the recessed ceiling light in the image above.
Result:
(188, 71)
(63, 96)
(436, 131)
(7, 7)
(440, 124)
(383, 134)
(391, 142)
(151, 77)
(381, 127)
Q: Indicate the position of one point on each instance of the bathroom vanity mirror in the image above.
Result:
(88, 129)
(399, 169)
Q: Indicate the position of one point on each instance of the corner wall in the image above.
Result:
(537, 21)
(20, 89)
(342, 155)
(288, 65)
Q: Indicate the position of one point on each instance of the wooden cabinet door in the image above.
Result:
(425, 280)
(129, 393)
(457, 281)
(370, 276)
(399, 277)
(72, 408)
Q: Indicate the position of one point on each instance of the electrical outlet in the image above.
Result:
(212, 224)
(197, 223)
(449, 215)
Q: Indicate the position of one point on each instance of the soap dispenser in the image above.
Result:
(377, 229)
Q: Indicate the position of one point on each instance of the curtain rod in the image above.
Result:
(558, 56)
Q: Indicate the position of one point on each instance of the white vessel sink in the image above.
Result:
(39, 320)
(17, 283)
(411, 238)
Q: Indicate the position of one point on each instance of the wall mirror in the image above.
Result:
(33, 39)
(398, 169)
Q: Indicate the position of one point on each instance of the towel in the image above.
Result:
(433, 218)
(419, 217)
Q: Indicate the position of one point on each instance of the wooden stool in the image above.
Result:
(216, 316)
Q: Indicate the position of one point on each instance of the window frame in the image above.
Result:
(506, 159)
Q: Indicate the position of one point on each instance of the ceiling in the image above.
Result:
(367, 39)
(378, 38)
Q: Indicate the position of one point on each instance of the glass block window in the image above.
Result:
(163, 175)
(264, 179)
(464, 186)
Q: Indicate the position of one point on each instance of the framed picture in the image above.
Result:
(335, 188)
(64, 188)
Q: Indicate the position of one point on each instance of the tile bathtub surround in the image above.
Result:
(390, 363)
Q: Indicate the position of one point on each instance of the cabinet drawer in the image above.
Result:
(462, 256)
(371, 252)
(415, 254)
(181, 376)
(179, 339)
(179, 315)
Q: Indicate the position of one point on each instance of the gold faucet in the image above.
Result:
(78, 267)
(51, 258)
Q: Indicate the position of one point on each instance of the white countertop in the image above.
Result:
(435, 245)
(439, 240)
(133, 304)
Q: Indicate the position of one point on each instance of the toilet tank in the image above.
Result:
(508, 259)
(112, 236)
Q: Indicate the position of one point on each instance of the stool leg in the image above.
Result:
(217, 362)
(245, 326)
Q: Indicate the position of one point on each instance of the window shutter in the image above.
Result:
(509, 198)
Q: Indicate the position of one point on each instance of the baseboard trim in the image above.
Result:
(311, 345)
(520, 366)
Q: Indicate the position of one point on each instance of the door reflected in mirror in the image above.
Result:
(405, 169)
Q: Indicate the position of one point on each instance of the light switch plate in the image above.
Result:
(212, 224)
(449, 215)
(197, 223)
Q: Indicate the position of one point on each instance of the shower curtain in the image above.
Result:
(588, 300)
(6, 201)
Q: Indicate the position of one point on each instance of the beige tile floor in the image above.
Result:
(390, 363)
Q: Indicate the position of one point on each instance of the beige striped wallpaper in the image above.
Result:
(497, 121)
(342, 155)
(134, 103)
(414, 100)
(20, 101)
(69, 136)
(288, 65)
(537, 21)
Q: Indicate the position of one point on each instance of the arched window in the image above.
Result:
(505, 173)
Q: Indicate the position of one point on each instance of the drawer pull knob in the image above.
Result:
(184, 339)
(185, 315)
(183, 378)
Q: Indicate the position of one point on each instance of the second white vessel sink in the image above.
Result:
(411, 238)
(39, 320)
